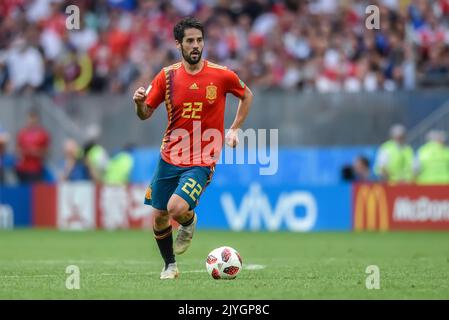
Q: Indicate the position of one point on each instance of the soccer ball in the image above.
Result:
(224, 263)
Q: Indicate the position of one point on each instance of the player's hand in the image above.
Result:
(140, 95)
(232, 138)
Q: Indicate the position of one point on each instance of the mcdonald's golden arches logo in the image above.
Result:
(371, 205)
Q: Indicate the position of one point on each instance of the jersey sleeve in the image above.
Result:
(156, 91)
(234, 85)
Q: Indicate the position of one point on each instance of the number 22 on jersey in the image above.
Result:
(192, 110)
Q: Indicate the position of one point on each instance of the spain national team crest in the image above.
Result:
(211, 93)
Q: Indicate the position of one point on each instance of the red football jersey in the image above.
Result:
(32, 141)
(195, 107)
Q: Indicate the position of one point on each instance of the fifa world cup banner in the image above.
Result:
(122, 207)
(86, 206)
(67, 206)
(400, 207)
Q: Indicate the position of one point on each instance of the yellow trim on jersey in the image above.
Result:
(168, 103)
(174, 66)
(216, 66)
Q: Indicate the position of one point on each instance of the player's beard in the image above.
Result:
(188, 57)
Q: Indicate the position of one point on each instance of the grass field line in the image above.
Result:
(74, 261)
(104, 262)
(115, 262)
(254, 266)
(250, 267)
(16, 276)
(145, 273)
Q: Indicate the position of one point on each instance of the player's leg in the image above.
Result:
(163, 234)
(163, 185)
(178, 209)
(183, 201)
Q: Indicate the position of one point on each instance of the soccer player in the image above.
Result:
(194, 91)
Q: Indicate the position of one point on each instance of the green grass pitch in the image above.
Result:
(126, 265)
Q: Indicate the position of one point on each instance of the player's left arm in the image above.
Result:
(242, 112)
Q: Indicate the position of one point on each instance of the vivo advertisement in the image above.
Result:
(257, 207)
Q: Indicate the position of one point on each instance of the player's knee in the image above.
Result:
(177, 209)
(161, 219)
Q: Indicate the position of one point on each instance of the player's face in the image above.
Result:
(192, 45)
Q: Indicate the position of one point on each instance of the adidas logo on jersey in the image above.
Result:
(194, 86)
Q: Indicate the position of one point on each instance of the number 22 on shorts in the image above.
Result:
(192, 188)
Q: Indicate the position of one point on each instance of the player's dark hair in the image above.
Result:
(186, 23)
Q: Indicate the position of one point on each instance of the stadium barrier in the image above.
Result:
(253, 207)
(78, 206)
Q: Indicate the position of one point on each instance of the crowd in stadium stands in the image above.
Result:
(92, 162)
(89, 162)
(315, 45)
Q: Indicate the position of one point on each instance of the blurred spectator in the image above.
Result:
(119, 167)
(347, 173)
(319, 45)
(362, 170)
(101, 56)
(74, 167)
(432, 160)
(3, 70)
(123, 4)
(96, 157)
(359, 171)
(73, 71)
(25, 67)
(394, 161)
(7, 175)
(33, 142)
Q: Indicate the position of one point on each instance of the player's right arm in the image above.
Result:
(143, 111)
(146, 101)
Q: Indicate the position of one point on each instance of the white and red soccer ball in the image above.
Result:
(224, 263)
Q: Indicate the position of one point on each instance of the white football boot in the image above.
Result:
(171, 272)
(184, 237)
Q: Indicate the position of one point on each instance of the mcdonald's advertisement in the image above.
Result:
(405, 207)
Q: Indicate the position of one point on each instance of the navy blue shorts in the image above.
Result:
(187, 182)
